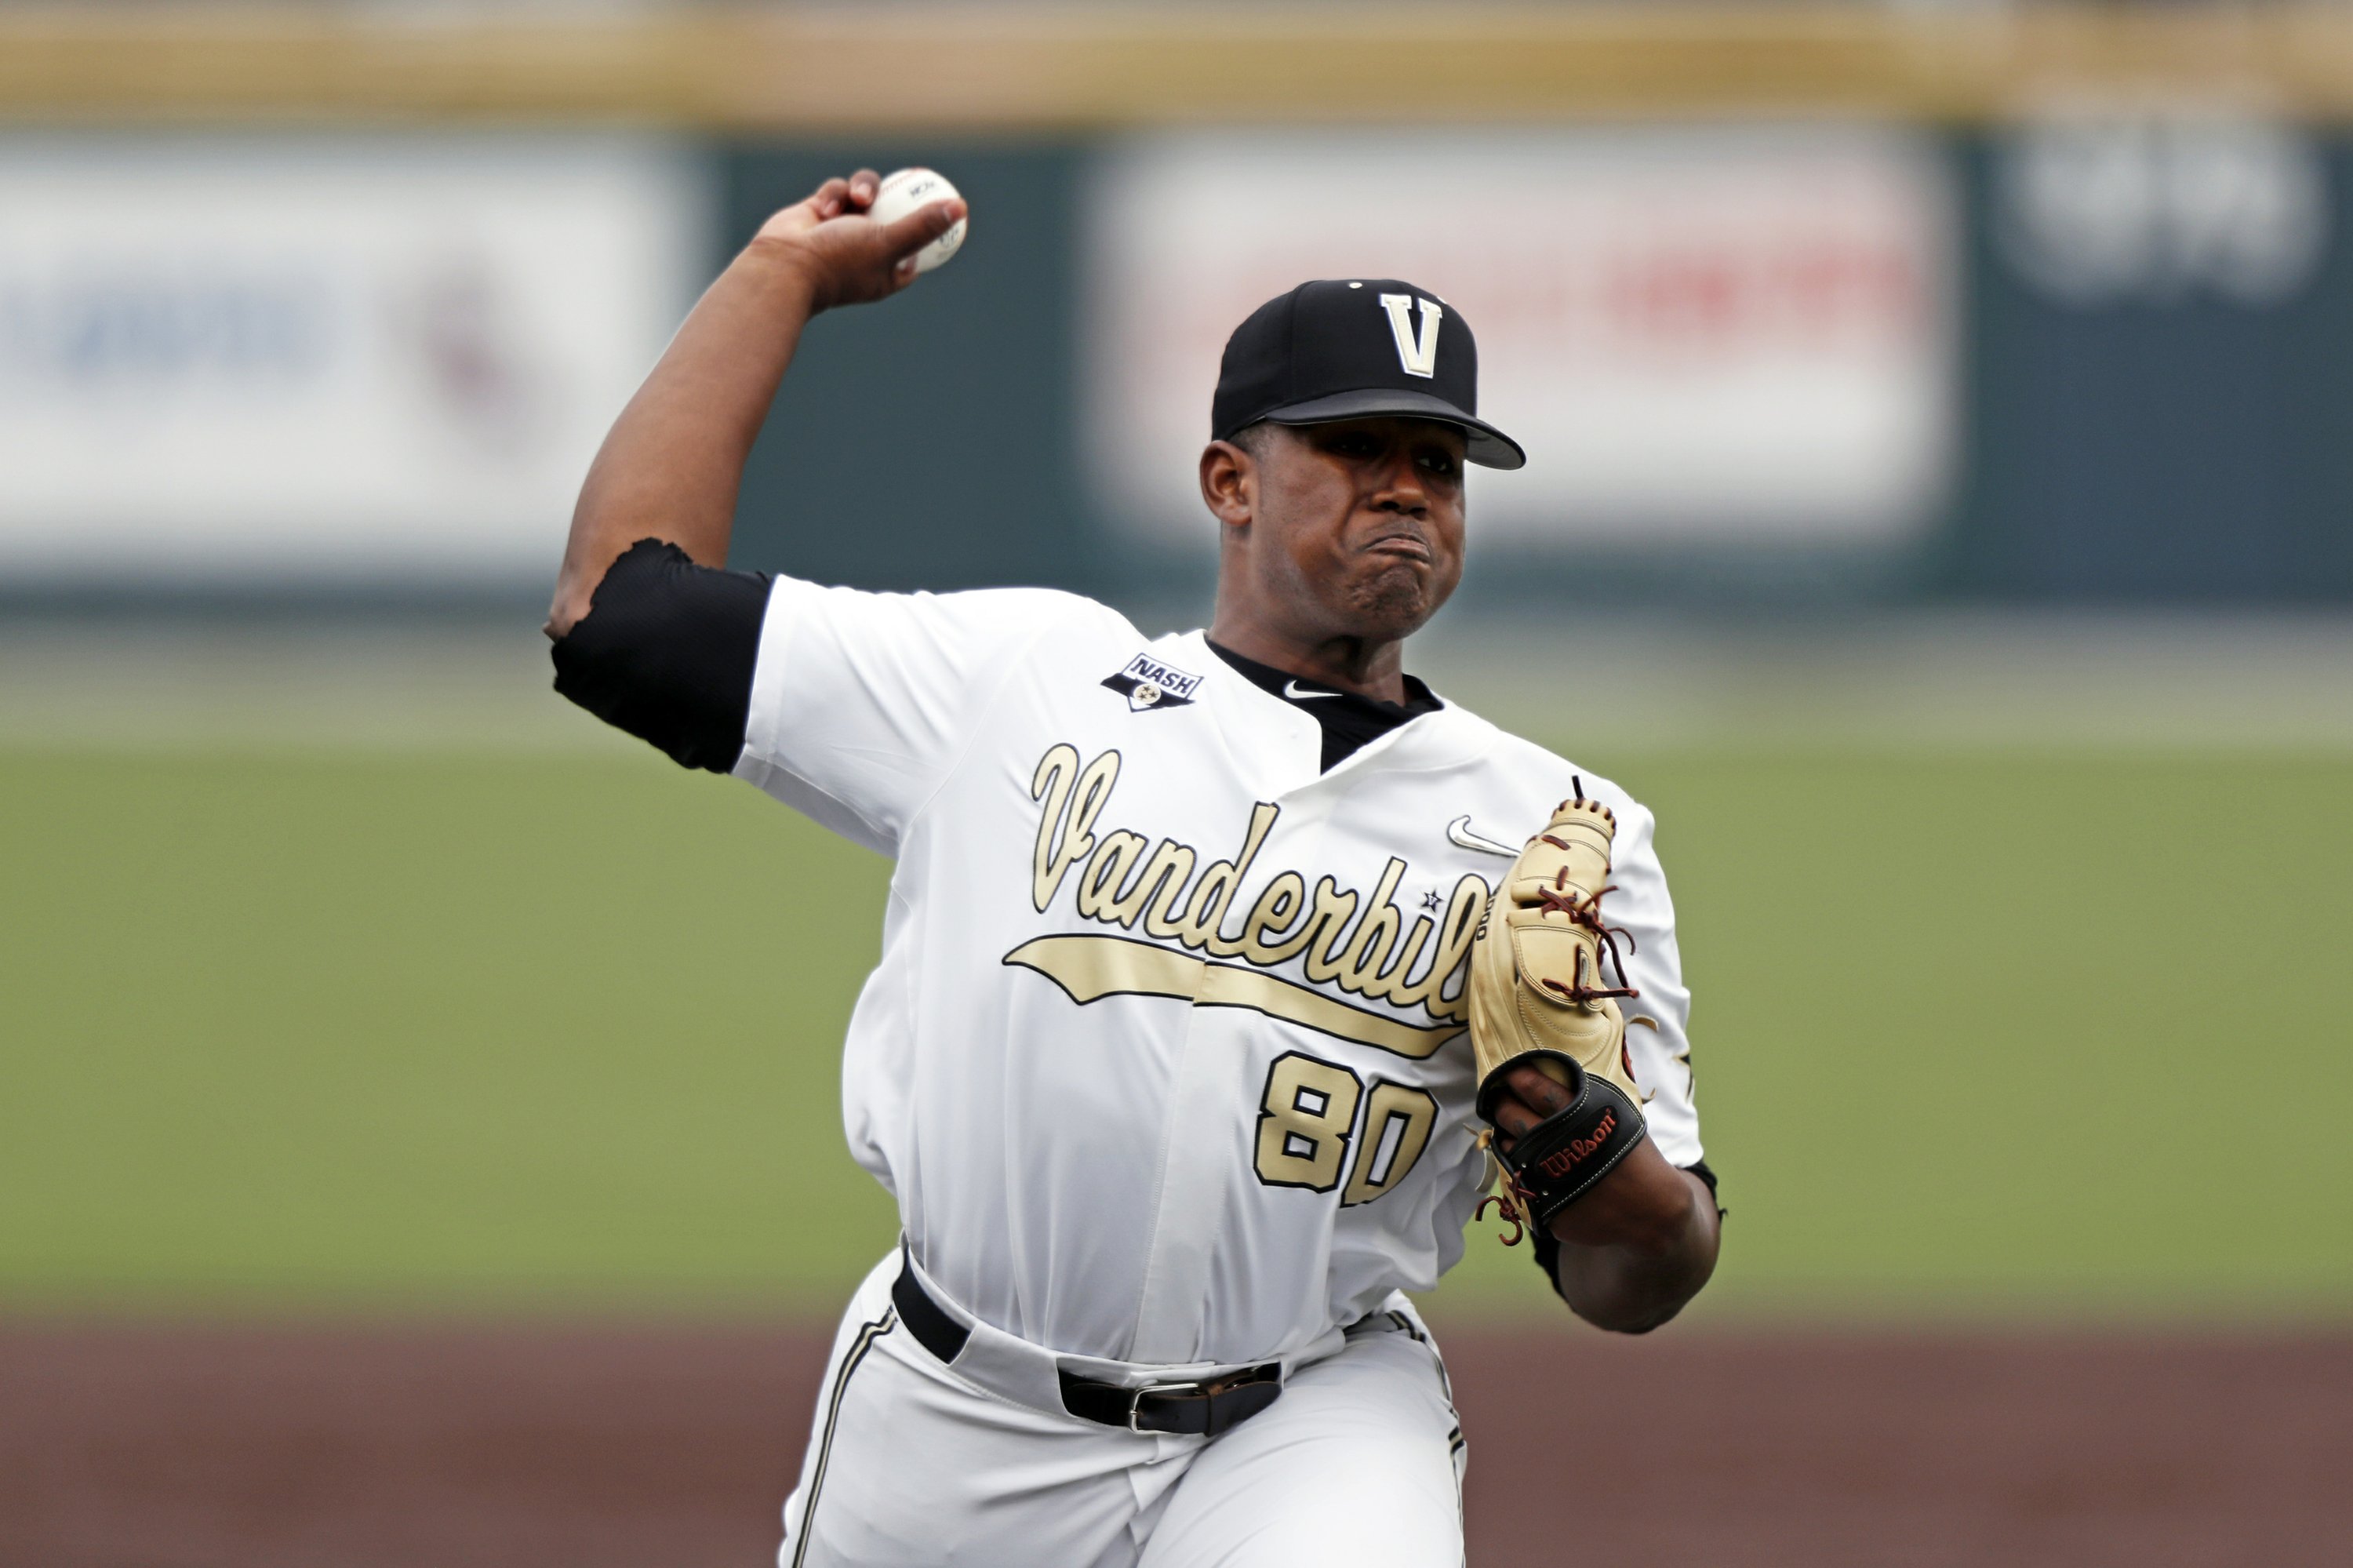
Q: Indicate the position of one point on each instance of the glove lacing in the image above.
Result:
(1585, 912)
(1513, 1200)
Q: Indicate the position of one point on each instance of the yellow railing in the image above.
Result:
(1013, 68)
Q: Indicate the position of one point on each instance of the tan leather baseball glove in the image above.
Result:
(1541, 995)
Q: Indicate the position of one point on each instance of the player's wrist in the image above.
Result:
(1644, 1207)
(784, 263)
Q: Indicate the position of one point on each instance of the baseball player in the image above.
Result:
(1221, 971)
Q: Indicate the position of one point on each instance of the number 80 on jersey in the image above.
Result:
(1307, 1122)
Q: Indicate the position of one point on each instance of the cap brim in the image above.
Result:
(1488, 447)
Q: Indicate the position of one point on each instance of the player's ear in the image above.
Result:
(1228, 483)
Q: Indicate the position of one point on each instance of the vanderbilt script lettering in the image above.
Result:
(1362, 943)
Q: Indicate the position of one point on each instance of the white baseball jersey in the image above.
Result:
(1165, 1060)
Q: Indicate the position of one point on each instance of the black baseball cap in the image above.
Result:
(1350, 348)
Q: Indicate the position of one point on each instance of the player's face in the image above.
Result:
(1365, 519)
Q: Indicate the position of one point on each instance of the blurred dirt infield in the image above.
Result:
(248, 1447)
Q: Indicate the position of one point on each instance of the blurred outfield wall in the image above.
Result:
(1786, 303)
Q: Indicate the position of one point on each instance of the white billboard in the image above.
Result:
(334, 357)
(1701, 335)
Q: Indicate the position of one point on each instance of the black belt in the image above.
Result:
(1196, 1409)
(1200, 1409)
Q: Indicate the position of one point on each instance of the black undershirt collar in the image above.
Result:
(1349, 721)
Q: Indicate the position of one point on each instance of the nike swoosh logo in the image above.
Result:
(1294, 689)
(1457, 832)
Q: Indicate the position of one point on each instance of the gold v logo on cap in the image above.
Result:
(1416, 350)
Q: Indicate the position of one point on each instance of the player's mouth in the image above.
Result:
(1401, 547)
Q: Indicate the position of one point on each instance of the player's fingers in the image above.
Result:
(830, 198)
(1512, 1119)
(921, 226)
(1537, 1089)
(863, 186)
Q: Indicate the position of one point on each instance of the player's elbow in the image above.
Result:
(564, 611)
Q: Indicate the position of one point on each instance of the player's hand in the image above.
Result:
(845, 256)
(1644, 1203)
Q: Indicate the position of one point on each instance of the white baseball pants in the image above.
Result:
(912, 1464)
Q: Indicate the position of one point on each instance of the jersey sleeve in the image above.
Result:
(1658, 1038)
(862, 702)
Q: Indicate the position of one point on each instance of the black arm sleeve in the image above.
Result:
(666, 653)
(1548, 1245)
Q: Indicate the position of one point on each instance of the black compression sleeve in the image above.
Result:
(666, 653)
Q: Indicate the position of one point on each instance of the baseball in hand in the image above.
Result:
(904, 191)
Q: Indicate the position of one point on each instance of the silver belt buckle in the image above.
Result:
(1136, 1400)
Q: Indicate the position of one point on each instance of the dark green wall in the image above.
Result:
(932, 443)
(2184, 448)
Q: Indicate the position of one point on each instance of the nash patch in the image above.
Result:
(1148, 683)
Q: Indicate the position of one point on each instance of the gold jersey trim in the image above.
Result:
(1090, 968)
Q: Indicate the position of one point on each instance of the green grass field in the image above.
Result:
(1977, 1033)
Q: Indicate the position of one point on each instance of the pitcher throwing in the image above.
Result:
(1221, 971)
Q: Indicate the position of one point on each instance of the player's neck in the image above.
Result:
(1374, 670)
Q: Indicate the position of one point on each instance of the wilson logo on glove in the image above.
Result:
(1580, 1149)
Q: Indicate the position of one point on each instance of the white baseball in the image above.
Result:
(902, 193)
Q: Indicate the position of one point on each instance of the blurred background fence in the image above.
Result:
(1875, 304)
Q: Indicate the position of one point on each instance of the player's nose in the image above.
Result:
(1401, 491)
(1395, 478)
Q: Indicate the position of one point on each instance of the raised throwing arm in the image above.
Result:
(670, 466)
